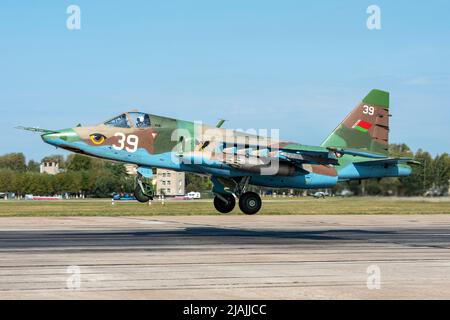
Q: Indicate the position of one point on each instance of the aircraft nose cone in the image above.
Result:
(48, 137)
(60, 137)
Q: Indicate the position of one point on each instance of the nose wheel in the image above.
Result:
(250, 203)
(143, 192)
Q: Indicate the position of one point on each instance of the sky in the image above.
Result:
(297, 66)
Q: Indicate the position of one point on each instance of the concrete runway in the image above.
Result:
(225, 257)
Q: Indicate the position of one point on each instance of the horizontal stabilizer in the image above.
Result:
(358, 153)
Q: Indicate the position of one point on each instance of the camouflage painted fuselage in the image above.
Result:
(176, 145)
(356, 149)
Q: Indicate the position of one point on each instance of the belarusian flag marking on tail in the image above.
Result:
(362, 126)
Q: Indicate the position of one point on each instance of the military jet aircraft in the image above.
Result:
(357, 149)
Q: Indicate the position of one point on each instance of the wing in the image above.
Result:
(297, 154)
(357, 152)
(308, 155)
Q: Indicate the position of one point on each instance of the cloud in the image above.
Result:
(427, 80)
(418, 81)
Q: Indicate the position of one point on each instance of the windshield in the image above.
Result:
(140, 119)
(119, 122)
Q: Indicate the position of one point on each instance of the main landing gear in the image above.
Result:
(143, 192)
(249, 202)
(224, 203)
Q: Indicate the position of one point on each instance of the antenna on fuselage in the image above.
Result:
(220, 123)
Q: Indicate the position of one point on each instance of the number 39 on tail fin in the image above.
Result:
(365, 128)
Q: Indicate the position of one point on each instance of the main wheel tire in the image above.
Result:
(139, 195)
(250, 203)
(225, 207)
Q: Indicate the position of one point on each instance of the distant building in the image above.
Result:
(170, 183)
(50, 167)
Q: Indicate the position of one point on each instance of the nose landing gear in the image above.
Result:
(143, 192)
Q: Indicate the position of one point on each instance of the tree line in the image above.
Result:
(90, 177)
(80, 175)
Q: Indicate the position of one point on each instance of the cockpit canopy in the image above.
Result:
(133, 119)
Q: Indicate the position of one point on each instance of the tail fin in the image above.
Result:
(366, 127)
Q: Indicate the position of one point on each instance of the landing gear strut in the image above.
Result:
(143, 192)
